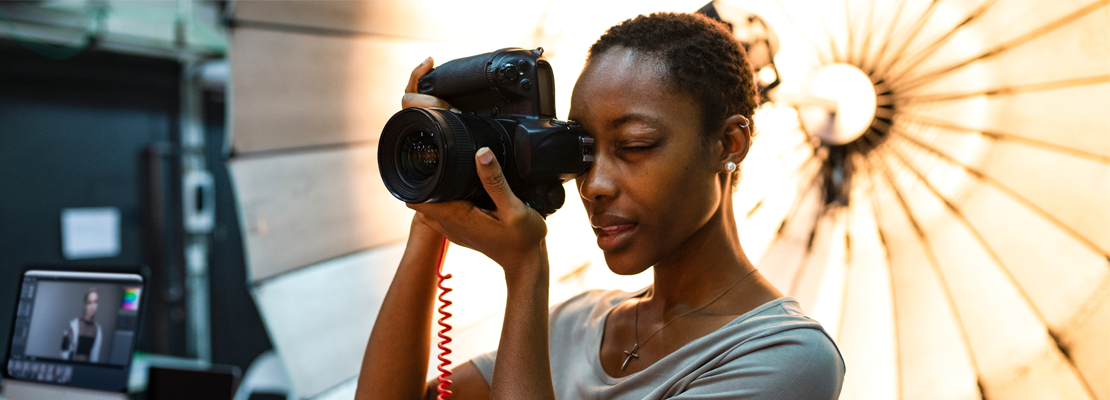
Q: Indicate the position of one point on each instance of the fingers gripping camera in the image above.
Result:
(507, 98)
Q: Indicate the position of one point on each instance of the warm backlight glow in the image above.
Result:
(854, 95)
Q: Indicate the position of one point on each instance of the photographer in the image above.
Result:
(668, 99)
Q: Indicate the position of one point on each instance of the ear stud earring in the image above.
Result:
(730, 166)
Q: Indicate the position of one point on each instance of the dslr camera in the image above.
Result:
(507, 103)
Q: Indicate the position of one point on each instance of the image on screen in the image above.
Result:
(74, 321)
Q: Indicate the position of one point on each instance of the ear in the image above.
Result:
(735, 138)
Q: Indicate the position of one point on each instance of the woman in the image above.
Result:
(668, 99)
(81, 341)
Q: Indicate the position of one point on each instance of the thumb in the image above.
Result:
(493, 179)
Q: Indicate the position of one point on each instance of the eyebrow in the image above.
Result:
(617, 122)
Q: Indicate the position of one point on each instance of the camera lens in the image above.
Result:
(427, 154)
(422, 155)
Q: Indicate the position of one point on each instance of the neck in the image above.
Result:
(707, 264)
(87, 319)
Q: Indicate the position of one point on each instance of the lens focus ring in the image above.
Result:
(425, 155)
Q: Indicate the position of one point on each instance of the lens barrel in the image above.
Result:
(427, 155)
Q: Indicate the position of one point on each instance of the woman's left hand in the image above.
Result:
(512, 235)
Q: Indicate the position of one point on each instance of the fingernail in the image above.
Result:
(426, 60)
(485, 156)
(456, 111)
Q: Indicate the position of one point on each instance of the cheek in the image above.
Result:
(680, 196)
(686, 185)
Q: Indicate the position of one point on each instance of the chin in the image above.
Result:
(625, 263)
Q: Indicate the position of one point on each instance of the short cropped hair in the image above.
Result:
(701, 58)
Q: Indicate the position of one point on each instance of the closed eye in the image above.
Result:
(636, 148)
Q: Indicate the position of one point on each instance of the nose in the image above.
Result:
(599, 182)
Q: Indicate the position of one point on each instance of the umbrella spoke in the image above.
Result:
(1081, 273)
(869, 28)
(909, 83)
(868, 328)
(865, 66)
(928, 283)
(1006, 136)
(969, 271)
(881, 67)
(783, 257)
(986, 178)
(833, 48)
(1002, 91)
(821, 56)
(849, 53)
(914, 60)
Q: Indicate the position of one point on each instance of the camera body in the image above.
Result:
(507, 99)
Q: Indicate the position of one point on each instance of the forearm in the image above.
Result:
(396, 359)
(523, 363)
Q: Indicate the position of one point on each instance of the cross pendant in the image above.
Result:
(630, 355)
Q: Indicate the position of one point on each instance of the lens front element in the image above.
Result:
(421, 155)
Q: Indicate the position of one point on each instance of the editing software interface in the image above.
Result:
(75, 328)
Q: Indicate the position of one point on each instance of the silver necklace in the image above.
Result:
(630, 354)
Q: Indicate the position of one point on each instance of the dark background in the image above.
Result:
(101, 130)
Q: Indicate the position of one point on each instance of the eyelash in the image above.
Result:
(633, 149)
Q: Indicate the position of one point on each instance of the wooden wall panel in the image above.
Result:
(447, 21)
(294, 90)
(302, 208)
(320, 318)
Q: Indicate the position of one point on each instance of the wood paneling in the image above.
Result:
(298, 209)
(294, 90)
(468, 22)
(320, 318)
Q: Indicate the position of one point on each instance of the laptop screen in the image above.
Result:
(75, 328)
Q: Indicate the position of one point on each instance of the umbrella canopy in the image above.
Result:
(952, 229)
(931, 180)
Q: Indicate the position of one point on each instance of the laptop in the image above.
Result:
(74, 334)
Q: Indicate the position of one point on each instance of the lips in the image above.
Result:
(613, 231)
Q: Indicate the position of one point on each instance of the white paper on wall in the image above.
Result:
(90, 232)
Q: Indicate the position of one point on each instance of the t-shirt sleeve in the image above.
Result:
(484, 362)
(799, 364)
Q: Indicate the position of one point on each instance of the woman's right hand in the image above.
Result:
(412, 96)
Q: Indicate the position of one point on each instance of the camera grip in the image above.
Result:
(456, 77)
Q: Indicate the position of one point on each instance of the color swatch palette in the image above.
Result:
(131, 299)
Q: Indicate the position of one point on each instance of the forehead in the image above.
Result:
(621, 68)
(620, 81)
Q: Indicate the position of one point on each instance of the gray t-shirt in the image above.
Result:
(771, 352)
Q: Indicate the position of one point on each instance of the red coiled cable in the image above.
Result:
(444, 373)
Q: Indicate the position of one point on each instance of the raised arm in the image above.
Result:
(395, 362)
(513, 236)
(396, 358)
